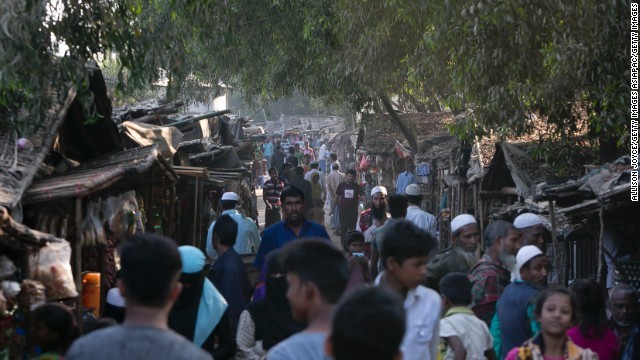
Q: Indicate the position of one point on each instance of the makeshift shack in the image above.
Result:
(28, 256)
(97, 203)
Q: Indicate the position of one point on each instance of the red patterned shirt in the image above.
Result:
(488, 278)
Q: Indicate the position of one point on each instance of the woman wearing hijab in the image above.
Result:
(200, 313)
(268, 321)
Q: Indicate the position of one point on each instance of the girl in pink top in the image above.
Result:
(592, 331)
(555, 310)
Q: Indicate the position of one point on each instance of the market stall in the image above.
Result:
(98, 203)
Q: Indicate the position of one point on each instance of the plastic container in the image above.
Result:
(91, 292)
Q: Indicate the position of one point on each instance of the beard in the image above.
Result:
(294, 218)
(624, 324)
(508, 260)
(379, 213)
(470, 257)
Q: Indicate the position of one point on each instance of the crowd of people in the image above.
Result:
(385, 293)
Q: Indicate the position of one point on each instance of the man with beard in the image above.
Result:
(293, 227)
(491, 275)
(374, 217)
(461, 255)
(398, 210)
(623, 304)
(515, 317)
(416, 215)
(348, 196)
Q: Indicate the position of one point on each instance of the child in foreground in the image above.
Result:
(359, 273)
(556, 312)
(465, 336)
(405, 253)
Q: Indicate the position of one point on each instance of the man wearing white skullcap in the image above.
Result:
(373, 218)
(533, 231)
(515, 309)
(248, 239)
(460, 256)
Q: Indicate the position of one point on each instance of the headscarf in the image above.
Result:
(272, 315)
(200, 306)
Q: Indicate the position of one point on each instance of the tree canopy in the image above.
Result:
(512, 62)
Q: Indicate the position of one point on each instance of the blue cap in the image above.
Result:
(192, 259)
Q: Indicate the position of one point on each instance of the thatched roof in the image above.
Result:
(100, 173)
(17, 169)
(381, 134)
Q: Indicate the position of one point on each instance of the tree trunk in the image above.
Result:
(420, 107)
(410, 136)
(608, 149)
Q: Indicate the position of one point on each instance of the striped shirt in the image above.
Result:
(271, 191)
(279, 234)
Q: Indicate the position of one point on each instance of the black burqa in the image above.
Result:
(272, 315)
(184, 313)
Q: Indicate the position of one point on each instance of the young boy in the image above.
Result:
(317, 277)
(359, 273)
(405, 253)
(466, 336)
(368, 325)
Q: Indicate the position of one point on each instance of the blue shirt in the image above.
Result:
(229, 275)
(267, 149)
(279, 234)
(248, 235)
(405, 179)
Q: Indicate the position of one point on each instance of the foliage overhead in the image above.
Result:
(511, 61)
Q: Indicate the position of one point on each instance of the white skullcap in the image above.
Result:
(526, 220)
(379, 189)
(230, 196)
(413, 190)
(462, 220)
(114, 298)
(525, 254)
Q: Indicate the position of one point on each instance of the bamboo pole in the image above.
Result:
(77, 250)
(600, 244)
(196, 242)
(554, 237)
